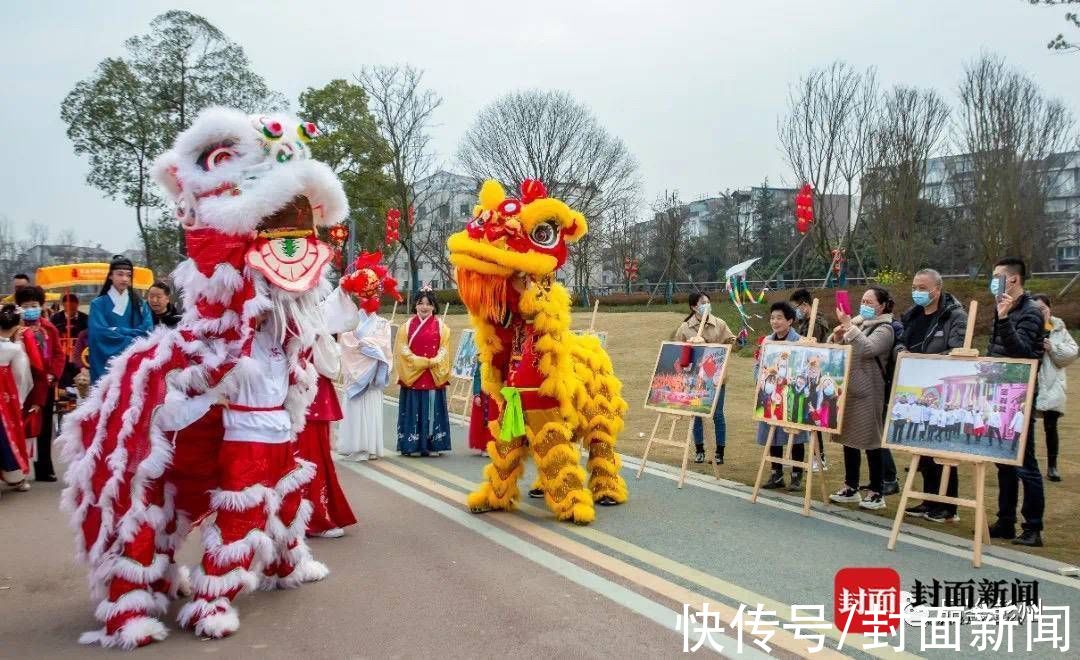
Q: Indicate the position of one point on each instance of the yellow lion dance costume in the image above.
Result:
(553, 388)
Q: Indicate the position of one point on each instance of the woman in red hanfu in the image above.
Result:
(423, 366)
(330, 510)
(15, 385)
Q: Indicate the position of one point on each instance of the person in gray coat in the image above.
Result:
(871, 338)
(935, 325)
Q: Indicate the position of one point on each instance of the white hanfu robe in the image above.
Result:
(366, 361)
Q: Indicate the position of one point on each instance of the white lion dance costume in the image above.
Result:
(201, 419)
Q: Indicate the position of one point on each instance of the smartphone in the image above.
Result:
(1001, 280)
(843, 302)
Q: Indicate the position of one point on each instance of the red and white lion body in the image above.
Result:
(247, 194)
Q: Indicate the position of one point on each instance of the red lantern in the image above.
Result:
(393, 218)
(804, 209)
(339, 234)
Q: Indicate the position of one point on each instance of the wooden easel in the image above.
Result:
(806, 465)
(982, 529)
(670, 441)
(814, 454)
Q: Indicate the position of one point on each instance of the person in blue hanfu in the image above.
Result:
(118, 316)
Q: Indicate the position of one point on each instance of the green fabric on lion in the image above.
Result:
(513, 422)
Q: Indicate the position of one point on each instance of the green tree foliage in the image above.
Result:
(352, 146)
(132, 107)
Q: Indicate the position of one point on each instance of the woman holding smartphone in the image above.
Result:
(871, 337)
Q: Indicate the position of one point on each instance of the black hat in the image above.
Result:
(120, 262)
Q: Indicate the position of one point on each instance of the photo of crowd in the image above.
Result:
(465, 358)
(687, 378)
(801, 386)
(976, 407)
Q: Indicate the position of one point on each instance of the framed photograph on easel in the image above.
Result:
(687, 378)
(801, 387)
(961, 408)
(685, 384)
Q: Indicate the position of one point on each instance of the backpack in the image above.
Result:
(888, 367)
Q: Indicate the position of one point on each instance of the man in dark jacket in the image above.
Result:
(1018, 332)
(70, 322)
(935, 325)
(803, 303)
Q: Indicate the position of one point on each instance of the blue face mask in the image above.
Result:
(799, 314)
(920, 298)
(31, 314)
(867, 312)
(995, 287)
(704, 308)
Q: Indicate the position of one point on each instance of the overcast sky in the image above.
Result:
(694, 92)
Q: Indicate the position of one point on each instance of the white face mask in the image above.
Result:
(770, 388)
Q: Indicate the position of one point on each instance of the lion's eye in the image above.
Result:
(215, 156)
(545, 234)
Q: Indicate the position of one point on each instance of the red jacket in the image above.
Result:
(56, 358)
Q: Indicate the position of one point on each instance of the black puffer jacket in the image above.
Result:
(1020, 334)
(944, 334)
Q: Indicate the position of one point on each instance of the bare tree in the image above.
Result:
(403, 112)
(66, 237)
(667, 238)
(548, 135)
(624, 240)
(907, 130)
(823, 135)
(1013, 138)
(38, 233)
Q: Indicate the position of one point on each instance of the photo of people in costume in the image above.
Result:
(687, 378)
(976, 407)
(801, 385)
(465, 357)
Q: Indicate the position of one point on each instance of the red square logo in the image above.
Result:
(866, 599)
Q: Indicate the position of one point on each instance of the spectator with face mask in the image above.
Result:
(38, 330)
(935, 325)
(1019, 331)
(803, 302)
(1060, 351)
(871, 338)
(714, 331)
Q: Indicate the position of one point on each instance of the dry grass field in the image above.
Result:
(633, 341)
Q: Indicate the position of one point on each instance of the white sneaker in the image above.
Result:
(815, 466)
(335, 533)
(846, 496)
(23, 486)
(872, 501)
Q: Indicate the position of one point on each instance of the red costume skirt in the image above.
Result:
(330, 508)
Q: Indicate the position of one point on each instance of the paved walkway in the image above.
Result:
(421, 577)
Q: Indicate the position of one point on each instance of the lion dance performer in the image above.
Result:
(200, 419)
(552, 387)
